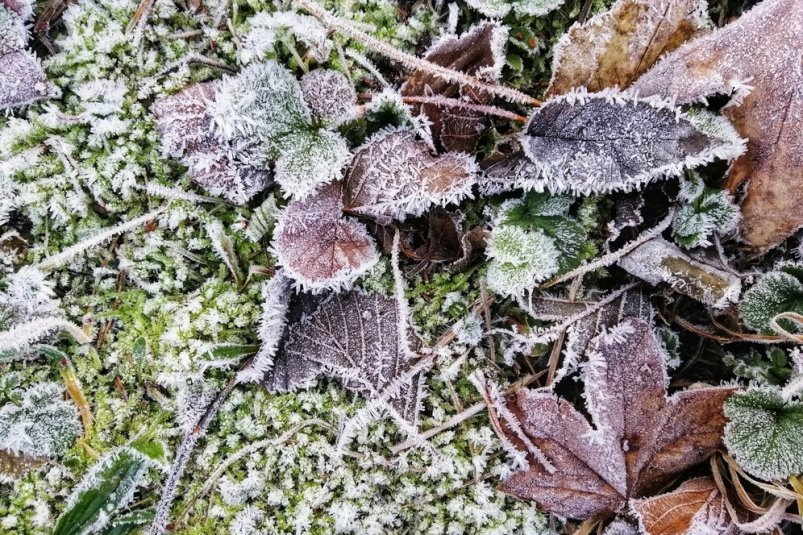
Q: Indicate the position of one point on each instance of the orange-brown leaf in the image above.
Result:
(758, 60)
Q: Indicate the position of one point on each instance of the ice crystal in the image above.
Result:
(267, 29)
(393, 176)
(774, 293)
(500, 8)
(318, 247)
(765, 433)
(43, 425)
(707, 211)
(329, 95)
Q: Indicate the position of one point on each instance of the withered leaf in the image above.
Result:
(187, 133)
(13, 464)
(757, 60)
(393, 175)
(601, 142)
(615, 47)
(22, 79)
(478, 52)
(329, 95)
(318, 247)
(639, 438)
(353, 337)
(696, 506)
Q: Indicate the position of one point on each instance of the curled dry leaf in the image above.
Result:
(658, 261)
(393, 175)
(696, 506)
(615, 47)
(478, 52)
(757, 60)
(601, 142)
(187, 133)
(318, 247)
(640, 437)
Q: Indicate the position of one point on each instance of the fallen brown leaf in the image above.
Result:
(757, 59)
(617, 46)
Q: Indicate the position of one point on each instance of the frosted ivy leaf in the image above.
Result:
(695, 507)
(393, 175)
(308, 158)
(601, 142)
(707, 211)
(329, 95)
(500, 8)
(640, 437)
(519, 259)
(107, 488)
(765, 433)
(22, 80)
(354, 338)
(187, 133)
(774, 293)
(318, 247)
(42, 426)
(266, 29)
(616, 46)
(478, 52)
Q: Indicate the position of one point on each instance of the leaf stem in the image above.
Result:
(445, 102)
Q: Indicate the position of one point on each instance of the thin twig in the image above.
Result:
(486, 313)
(613, 257)
(554, 356)
(448, 75)
(465, 415)
(446, 102)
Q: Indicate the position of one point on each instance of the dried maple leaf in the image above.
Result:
(318, 247)
(393, 175)
(478, 52)
(696, 506)
(756, 59)
(615, 47)
(600, 142)
(185, 123)
(639, 438)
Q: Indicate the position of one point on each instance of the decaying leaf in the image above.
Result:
(14, 465)
(185, 123)
(353, 337)
(757, 60)
(658, 261)
(478, 52)
(615, 47)
(640, 437)
(393, 175)
(329, 95)
(601, 142)
(774, 293)
(696, 506)
(22, 79)
(318, 247)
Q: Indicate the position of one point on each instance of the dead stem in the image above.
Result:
(554, 356)
(446, 102)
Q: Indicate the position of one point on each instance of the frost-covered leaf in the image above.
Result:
(756, 60)
(628, 215)
(615, 47)
(658, 261)
(307, 158)
(774, 293)
(354, 337)
(187, 133)
(500, 8)
(393, 175)
(765, 433)
(696, 506)
(13, 33)
(707, 211)
(42, 426)
(519, 259)
(318, 247)
(329, 95)
(15, 465)
(22, 80)
(262, 221)
(478, 52)
(601, 142)
(106, 489)
(639, 438)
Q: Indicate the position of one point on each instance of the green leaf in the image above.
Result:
(765, 433)
(130, 522)
(104, 490)
(140, 349)
(776, 292)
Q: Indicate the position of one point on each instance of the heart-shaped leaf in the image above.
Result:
(774, 293)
